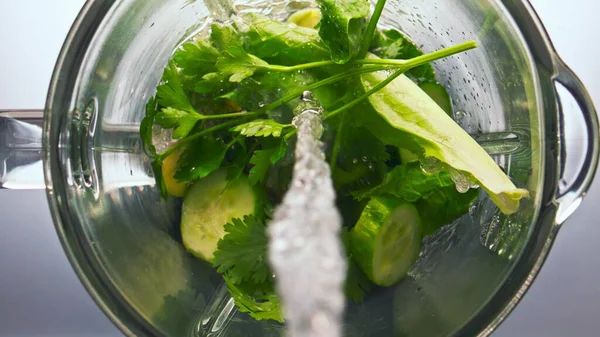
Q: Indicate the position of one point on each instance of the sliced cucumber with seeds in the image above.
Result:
(387, 240)
(208, 206)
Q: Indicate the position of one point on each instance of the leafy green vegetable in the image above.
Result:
(343, 26)
(258, 300)
(409, 110)
(288, 43)
(196, 58)
(182, 121)
(263, 159)
(146, 127)
(239, 65)
(201, 158)
(171, 93)
(243, 252)
(261, 128)
(225, 37)
(391, 44)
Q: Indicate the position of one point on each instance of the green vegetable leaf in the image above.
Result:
(158, 177)
(408, 182)
(182, 121)
(289, 43)
(258, 300)
(225, 37)
(263, 159)
(239, 65)
(196, 58)
(213, 83)
(343, 26)
(170, 93)
(391, 44)
(443, 206)
(414, 115)
(261, 128)
(146, 127)
(200, 158)
(263, 88)
(242, 253)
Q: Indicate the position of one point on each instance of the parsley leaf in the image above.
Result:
(261, 128)
(391, 44)
(242, 253)
(170, 93)
(224, 37)
(343, 26)
(196, 58)
(200, 158)
(158, 177)
(239, 65)
(146, 126)
(258, 300)
(289, 43)
(182, 121)
(263, 159)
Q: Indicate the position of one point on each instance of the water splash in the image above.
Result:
(305, 249)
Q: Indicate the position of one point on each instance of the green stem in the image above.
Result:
(367, 94)
(195, 136)
(304, 66)
(410, 63)
(368, 38)
(423, 59)
(337, 145)
(231, 115)
(316, 85)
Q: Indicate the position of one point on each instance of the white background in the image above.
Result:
(41, 296)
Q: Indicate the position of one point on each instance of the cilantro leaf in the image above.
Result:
(213, 83)
(263, 159)
(261, 128)
(146, 126)
(158, 177)
(181, 121)
(263, 88)
(343, 26)
(242, 253)
(224, 37)
(170, 93)
(200, 158)
(391, 44)
(258, 300)
(408, 182)
(291, 44)
(196, 58)
(238, 64)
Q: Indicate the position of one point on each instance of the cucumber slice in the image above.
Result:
(386, 241)
(208, 206)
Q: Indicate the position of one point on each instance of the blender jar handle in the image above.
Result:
(21, 149)
(579, 163)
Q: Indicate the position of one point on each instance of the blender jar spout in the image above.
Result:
(21, 149)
